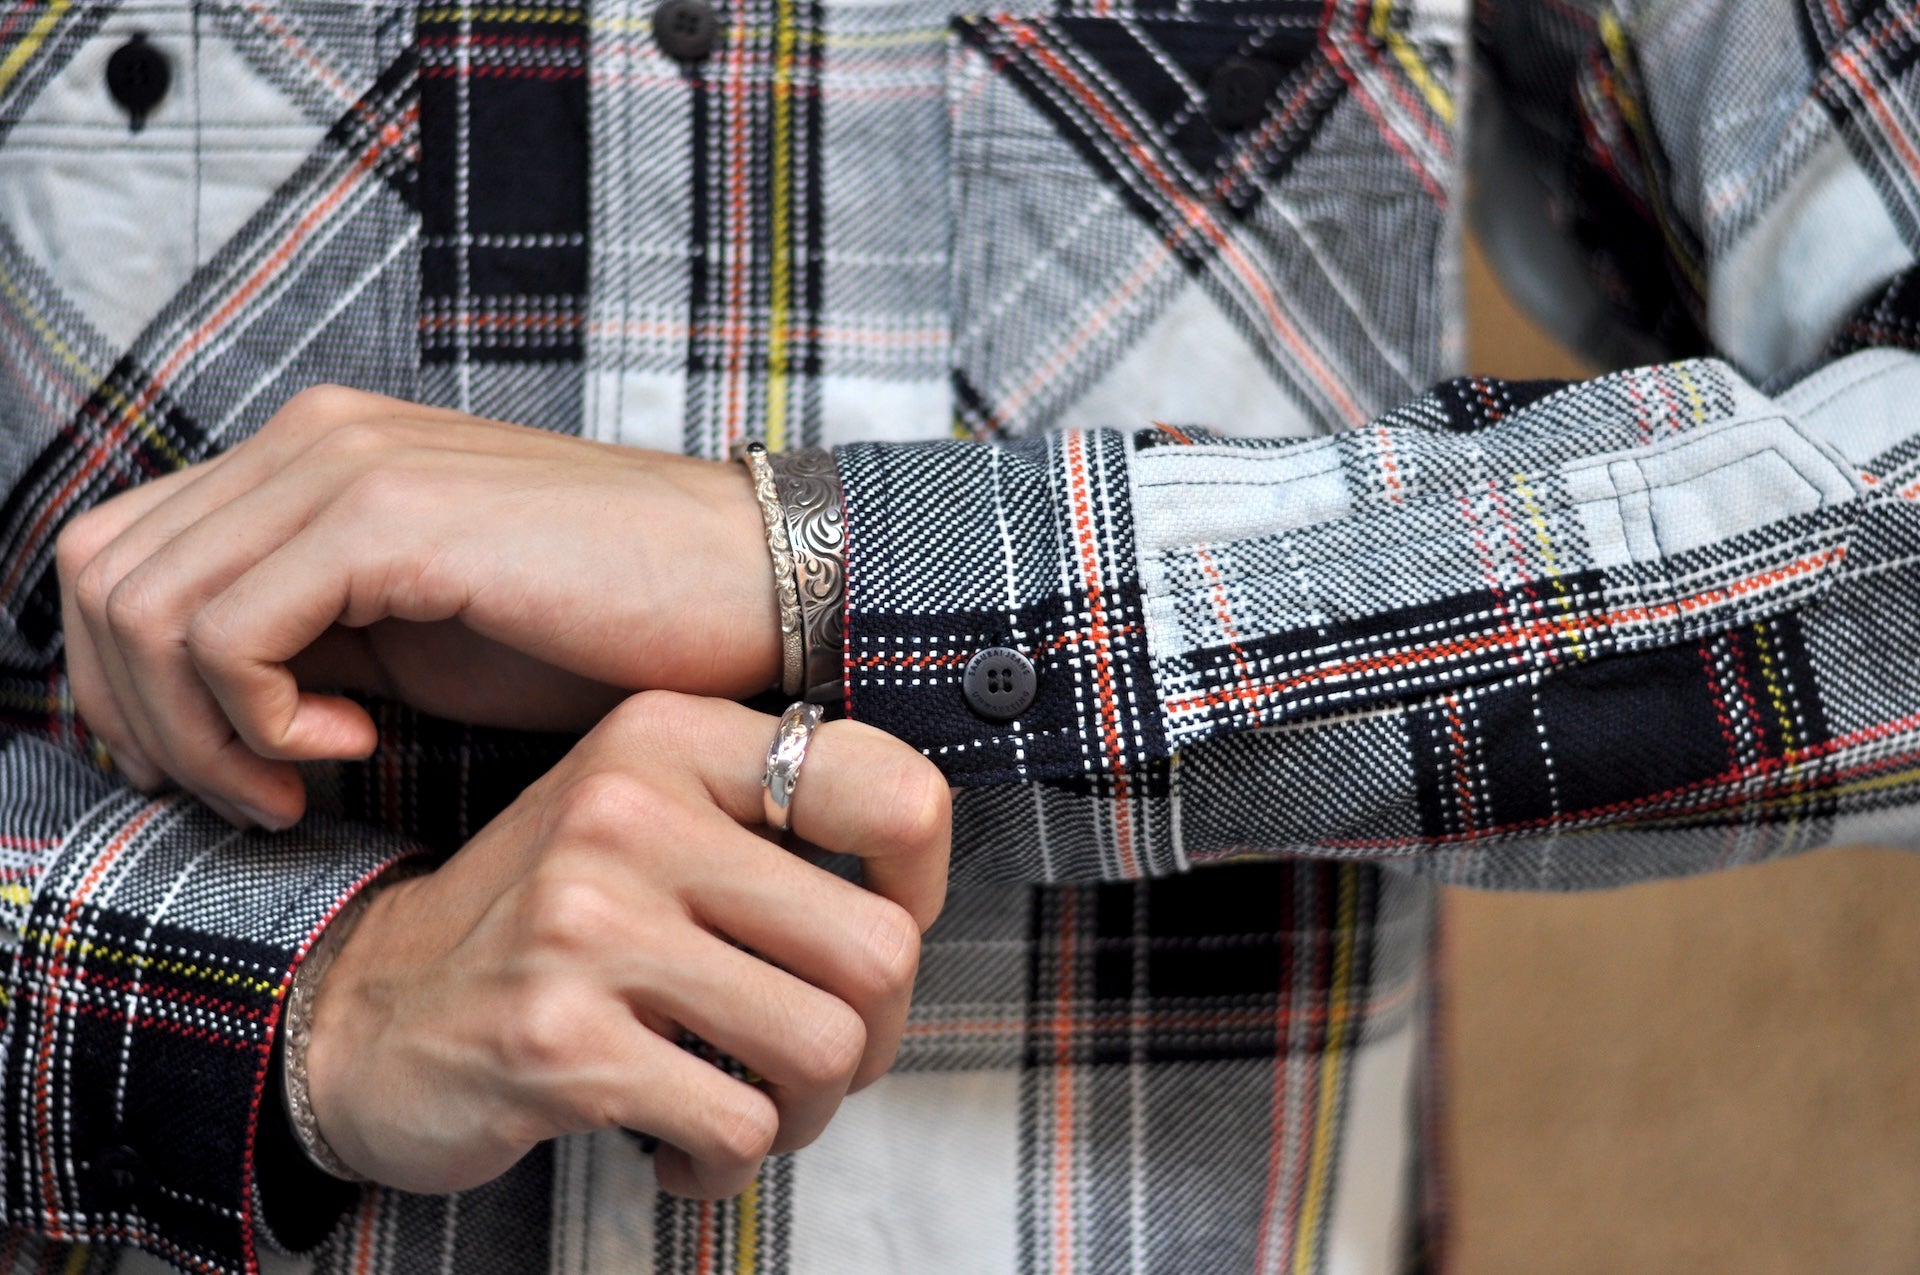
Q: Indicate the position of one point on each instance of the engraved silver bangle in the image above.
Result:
(785, 755)
(810, 494)
(296, 1032)
(785, 587)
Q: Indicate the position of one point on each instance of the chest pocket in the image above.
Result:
(1236, 215)
(204, 207)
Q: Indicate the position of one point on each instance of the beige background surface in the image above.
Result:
(1720, 1074)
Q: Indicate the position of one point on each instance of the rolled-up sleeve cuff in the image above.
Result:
(147, 987)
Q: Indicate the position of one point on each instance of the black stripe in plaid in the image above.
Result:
(503, 111)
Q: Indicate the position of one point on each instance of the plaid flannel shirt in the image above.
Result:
(1142, 395)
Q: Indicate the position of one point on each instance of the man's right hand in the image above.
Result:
(537, 983)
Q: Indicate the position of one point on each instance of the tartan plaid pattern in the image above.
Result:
(1866, 78)
(503, 260)
(1549, 638)
(1093, 1111)
(1160, 238)
(140, 1001)
(1535, 635)
(1570, 80)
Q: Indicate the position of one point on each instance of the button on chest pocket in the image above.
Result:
(204, 208)
(139, 141)
(1234, 215)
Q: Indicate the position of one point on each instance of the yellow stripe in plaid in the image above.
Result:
(1327, 1125)
(91, 950)
(22, 53)
(1439, 101)
(778, 335)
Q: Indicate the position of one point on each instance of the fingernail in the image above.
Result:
(269, 823)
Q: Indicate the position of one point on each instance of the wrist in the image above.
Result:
(344, 1012)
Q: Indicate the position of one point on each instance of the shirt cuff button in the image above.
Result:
(999, 683)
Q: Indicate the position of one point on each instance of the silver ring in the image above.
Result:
(784, 756)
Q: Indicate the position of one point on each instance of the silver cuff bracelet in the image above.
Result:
(810, 493)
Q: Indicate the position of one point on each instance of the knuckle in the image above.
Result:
(890, 949)
(319, 405)
(380, 494)
(84, 536)
(92, 585)
(832, 1048)
(353, 440)
(606, 805)
(567, 912)
(919, 813)
(210, 636)
(741, 1132)
(540, 1037)
(134, 606)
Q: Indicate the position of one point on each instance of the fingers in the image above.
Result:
(81, 544)
(861, 947)
(717, 1129)
(143, 623)
(861, 792)
(243, 640)
(806, 1043)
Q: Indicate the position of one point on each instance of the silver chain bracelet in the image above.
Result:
(758, 461)
(296, 1033)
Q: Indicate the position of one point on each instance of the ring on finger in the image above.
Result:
(784, 757)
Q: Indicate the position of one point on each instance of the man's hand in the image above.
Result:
(501, 575)
(535, 985)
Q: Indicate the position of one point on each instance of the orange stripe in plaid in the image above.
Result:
(1195, 216)
(1218, 588)
(363, 1233)
(1389, 463)
(1388, 133)
(363, 167)
(1508, 637)
(1063, 1080)
(1462, 769)
(1086, 538)
(1849, 66)
(302, 53)
(704, 1249)
(1153, 1020)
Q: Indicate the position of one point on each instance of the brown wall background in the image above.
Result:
(1713, 1075)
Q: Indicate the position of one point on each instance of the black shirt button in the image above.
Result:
(138, 77)
(1238, 92)
(115, 1175)
(685, 29)
(999, 683)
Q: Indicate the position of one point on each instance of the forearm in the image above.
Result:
(1520, 640)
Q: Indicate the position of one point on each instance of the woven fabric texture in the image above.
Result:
(1159, 401)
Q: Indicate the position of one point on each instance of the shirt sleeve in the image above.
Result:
(1514, 635)
(147, 951)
